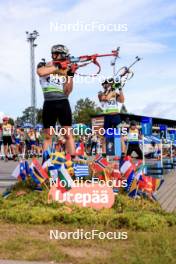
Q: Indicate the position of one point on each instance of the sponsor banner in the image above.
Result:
(96, 196)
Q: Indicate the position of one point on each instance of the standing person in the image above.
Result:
(22, 141)
(7, 132)
(32, 141)
(88, 144)
(27, 144)
(56, 85)
(38, 136)
(17, 138)
(109, 100)
(133, 140)
(94, 143)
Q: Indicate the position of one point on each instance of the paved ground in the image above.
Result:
(6, 169)
(167, 193)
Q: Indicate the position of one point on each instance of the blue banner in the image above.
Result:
(172, 135)
(110, 146)
(146, 124)
(163, 131)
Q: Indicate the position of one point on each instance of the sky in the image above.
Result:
(150, 34)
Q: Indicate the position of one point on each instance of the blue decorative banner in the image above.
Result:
(172, 135)
(163, 131)
(146, 124)
(110, 146)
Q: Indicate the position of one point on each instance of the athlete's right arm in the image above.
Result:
(101, 97)
(44, 69)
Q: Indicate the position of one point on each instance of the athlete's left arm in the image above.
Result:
(120, 97)
(140, 134)
(68, 86)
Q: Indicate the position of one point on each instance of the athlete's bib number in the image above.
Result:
(133, 136)
(110, 106)
(6, 131)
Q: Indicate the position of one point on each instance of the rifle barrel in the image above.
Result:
(137, 59)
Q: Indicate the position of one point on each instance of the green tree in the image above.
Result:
(39, 116)
(11, 121)
(84, 109)
(27, 116)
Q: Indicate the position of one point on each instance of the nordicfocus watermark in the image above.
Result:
(58, 131)
(81, 182)
(80, 26)
(88, 235)
(93, 78)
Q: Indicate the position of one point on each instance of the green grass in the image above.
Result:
(31, 242)
(25, 222)
(33, 208)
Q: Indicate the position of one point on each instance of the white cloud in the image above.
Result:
(158, 109)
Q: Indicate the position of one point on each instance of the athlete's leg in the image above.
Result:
(6, 150)
(130, 149)
(47, 139)
(93, 147)
(13, 149)
(17, 146)
(14, 152)
(123, 145)
(49, 117)
(5, 144)
(65, 119)
(70, 144)
(138, 151)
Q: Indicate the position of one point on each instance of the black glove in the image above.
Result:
(120, 88)
(70, 73)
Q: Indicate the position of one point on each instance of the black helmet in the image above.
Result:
(104, 82)
(108, 81)
(133, 123)
(60, 49)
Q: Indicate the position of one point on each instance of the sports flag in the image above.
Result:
(46, 156)
(81, 170)
(99, 163)
(57, 158)
(80, 149)
(130, 180)
(39, 168)
(145, 184)
(53, 172)
(65, 181)
(21, 171)
(35, 173)
(133, 191)
(126, 168)
(16, 172)
(22, 174)
(33, 176)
